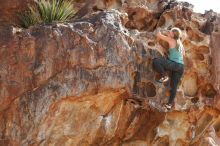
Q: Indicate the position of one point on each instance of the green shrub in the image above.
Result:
(47, 12)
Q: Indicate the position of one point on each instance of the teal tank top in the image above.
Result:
(175, 55)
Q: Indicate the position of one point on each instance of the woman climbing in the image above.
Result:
(174, 63)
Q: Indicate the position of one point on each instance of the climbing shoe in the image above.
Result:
(168, 106)
(163, 79)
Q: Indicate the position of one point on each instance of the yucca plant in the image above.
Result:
(47, 11)
(30, 17)
(55, 10)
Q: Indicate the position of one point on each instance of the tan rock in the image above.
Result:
(71, 83)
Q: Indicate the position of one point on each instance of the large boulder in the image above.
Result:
(73, 83)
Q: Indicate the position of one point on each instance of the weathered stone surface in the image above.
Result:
(9, 11)
(72, 83)
(216, 61)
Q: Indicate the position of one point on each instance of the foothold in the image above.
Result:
(151, 44)
(199, 56)
(193, 35)
(151, 89)
(209, 91)
(203, 122)
(190, 85)
(202, 68)
(195, 100)
(203, 49)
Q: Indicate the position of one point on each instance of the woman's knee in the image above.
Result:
(156, 61)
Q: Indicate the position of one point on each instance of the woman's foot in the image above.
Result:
(163, 79)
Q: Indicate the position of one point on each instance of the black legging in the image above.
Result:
(177, 69)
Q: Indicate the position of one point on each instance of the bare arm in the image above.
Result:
(183, 49)
(163, 37)
(184, 52)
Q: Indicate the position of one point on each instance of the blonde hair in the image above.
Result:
(177, 36)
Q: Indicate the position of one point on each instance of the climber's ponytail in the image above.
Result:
(179, 46)
(177, 36)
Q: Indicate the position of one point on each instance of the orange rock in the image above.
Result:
(72, 83)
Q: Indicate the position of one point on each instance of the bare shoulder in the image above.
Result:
(172, 43)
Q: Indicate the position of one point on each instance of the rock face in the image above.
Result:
(215, 55)
(71, 84)
(9, 11)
